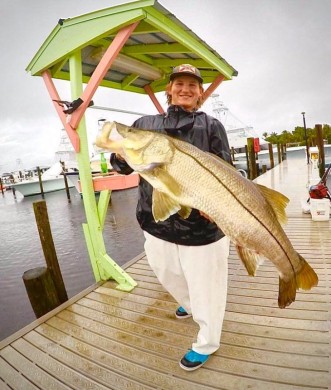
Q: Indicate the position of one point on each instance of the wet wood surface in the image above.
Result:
(108, 339)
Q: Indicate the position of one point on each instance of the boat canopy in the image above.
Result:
(159, 42)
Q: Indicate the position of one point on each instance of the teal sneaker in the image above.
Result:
(182, 313)
(192, 360)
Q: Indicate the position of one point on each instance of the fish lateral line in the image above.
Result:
(240, 202)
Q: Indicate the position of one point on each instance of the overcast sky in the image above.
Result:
(281, 49)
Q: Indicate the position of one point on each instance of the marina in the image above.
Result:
(104, 338)
(118, 329)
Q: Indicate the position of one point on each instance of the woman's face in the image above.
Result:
(185, 92)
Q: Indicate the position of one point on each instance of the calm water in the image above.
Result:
(20, 248)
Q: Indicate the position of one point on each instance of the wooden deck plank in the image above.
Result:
(110, 339)
(13, 378)
(32, 372)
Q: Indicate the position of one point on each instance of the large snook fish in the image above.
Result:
(184, 177)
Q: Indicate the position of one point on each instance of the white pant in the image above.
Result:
(196, 276)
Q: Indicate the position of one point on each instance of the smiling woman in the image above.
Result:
(185, 91)
(185, 88)
(172, 240)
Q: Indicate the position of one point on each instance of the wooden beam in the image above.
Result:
(73, 136)
(213, 86)
(151, 94)
(100, 71)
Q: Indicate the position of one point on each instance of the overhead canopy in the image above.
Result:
(159, 42)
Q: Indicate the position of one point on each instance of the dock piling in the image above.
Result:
(45, 234)
(41, 290)
(40, 182)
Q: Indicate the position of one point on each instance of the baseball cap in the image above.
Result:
(186, 70)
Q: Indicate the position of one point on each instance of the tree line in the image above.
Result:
(297, 136)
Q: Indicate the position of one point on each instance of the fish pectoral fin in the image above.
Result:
(167, 180)
(250, 259)
(163, 206)
(277, 201)
(185, 212)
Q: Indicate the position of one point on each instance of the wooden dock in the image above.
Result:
(108, 339)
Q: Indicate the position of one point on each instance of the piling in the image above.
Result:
(65, 181)
(233, 154)
(47, 243)
(320, 145)
(283, 152)
(279, 153)
(251, 158)
(271, 156)
(41, 290)
(40, 182)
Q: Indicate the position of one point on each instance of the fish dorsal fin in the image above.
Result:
(250, 259)
(277, 201)
(163, 206)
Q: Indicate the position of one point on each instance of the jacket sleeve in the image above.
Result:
(120, 166)
(219, 143)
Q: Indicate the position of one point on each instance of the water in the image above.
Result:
(20, 247)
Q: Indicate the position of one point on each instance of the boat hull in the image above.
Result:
(32, 187)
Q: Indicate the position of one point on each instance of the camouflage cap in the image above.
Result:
(186, 70)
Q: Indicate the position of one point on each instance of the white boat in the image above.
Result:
(236, 130)
(52, 180)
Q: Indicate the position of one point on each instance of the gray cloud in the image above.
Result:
(281, 49)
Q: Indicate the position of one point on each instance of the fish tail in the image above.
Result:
(306, 278)
(287, 292)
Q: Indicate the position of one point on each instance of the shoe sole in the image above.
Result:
(183, 317)
(190, 368)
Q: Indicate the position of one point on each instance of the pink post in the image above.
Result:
(151, 94)
(72, 134)
(213, 86)
(100, 71)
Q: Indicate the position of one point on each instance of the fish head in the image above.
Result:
(143, 149)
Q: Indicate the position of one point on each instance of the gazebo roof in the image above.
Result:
(159, 42)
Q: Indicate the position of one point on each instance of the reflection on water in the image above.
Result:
(20, 247)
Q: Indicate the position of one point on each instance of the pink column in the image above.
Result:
(151, 94)
(100, 71)
(72, 134)
(213, 86)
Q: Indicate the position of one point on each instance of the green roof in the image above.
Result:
(159, 42)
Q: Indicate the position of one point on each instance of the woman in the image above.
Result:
(188, 256)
